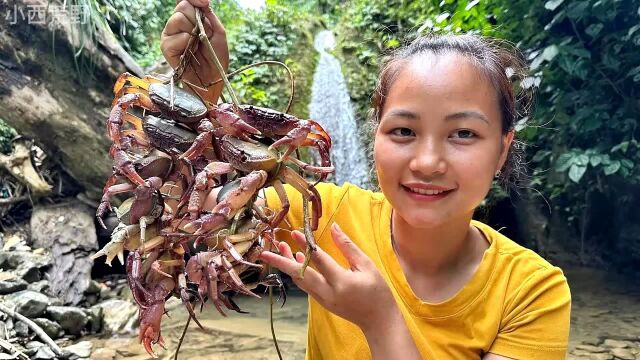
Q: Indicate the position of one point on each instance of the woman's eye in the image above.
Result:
(402, 132)
(464, 134)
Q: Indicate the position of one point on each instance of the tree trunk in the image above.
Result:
(48, 94)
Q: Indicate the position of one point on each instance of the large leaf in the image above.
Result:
(576, 172)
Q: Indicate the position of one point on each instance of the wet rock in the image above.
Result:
(12, 284)
(52, 328)
(81, 350)
(21, 329)
(28, 303)
(71, 319)
(68, 233)
(118, 316)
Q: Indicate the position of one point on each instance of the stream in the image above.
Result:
(605, 306)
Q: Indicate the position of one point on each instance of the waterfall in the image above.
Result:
(331, 107)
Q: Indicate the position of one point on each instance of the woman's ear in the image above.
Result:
(507, 139)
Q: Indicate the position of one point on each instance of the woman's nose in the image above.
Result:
(429, 159)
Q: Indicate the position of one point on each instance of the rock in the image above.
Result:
(91, 299)
(93, 288)
(610, 343)
(81, 350)
(623, 353)
(94, 315)
(26, 264)
(11, 260)
(601, 356)
(103, 354)
(71, 319)
(28, 272)
(38, 350)
(12, 285)
(15, 241)
(28, 303)
(118, 316)
(590, 348)
(44, 353)
(52, 328)
(68, 233)
(22, 330)
(41, 286)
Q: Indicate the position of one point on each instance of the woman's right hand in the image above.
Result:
(175, 38)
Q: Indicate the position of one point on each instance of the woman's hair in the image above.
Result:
(499, 61)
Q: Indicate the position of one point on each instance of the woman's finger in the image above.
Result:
(324, 263)
(313, 282)
(356, 258)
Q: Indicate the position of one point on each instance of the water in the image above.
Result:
(331, 107)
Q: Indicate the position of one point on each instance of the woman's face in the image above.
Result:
(439, 142)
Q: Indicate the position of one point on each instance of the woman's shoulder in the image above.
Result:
(517, 262)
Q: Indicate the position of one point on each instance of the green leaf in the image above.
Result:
(595, 160)
(612, 168)
(442, 17)
(471, 4)
(623, 146)
(577, 10)
(576, 172)
(627, 163)
(564, 162)
(594, 29)
(581, 160)
(552, 4)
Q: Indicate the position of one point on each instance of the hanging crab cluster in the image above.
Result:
(193, 172)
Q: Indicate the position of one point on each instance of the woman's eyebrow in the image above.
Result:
(403, 114)
(467, 114)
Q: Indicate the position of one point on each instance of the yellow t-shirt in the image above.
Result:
(516, 304)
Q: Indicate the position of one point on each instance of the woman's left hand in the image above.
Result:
(358, 294)
(347, 293)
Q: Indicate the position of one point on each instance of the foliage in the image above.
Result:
(7, 133)
(584, 60)
(281, 33)
(138, 25)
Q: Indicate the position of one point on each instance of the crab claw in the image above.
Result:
(231, 122)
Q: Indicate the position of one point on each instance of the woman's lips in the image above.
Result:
(415, 195)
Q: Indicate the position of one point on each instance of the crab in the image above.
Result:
(287, 130)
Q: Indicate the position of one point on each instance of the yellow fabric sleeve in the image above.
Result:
(535, 322)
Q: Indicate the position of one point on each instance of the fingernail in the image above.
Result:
(336, 227)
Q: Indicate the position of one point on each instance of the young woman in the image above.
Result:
(406, 273)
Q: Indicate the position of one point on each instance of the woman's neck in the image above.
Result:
(436, 250)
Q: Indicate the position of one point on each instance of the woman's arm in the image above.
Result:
(348, 293)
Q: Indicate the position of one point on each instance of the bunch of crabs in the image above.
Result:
(170, 150)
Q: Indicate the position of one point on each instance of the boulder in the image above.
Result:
(28, 303)
(71, 319)
(67, 231)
